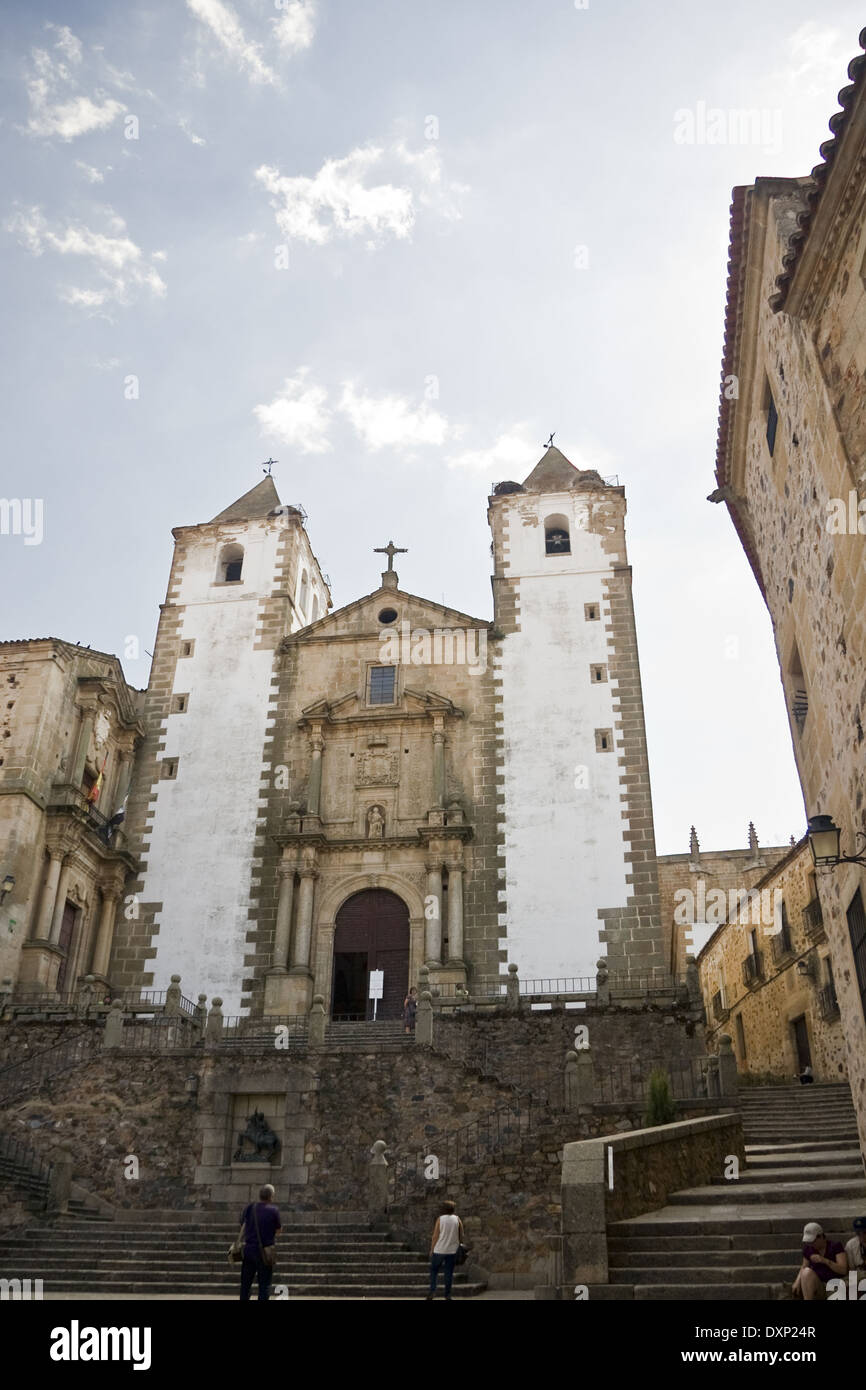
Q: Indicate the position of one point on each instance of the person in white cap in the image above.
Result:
(823, 1259)
(855, 1249)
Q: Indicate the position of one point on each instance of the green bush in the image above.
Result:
(661, 1107)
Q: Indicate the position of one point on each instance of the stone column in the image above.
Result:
(60, 1181)
(316, 1033)
(84, 736)
(438, 764)
(304, 924)
(172, 998)
(113, 1033)
(433, 913)
(377, 1187)
(727, 1066)
(60, 902)
(424, 1019)
(214, 1027)
(105, 934)
(512, 990)
(455, 912)
(286, 875)
(314, 786)
(42, 923)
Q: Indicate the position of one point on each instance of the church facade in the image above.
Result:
(320, 795)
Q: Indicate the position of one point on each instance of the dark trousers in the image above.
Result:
(445, 1262)
(255, 1269)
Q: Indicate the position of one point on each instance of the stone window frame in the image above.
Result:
(604, 741)
(168, 769)
(381, 665)
(557, 521)
(601, 667)
(187, 647)
(592, 612)
(230, 553)
(179, 703)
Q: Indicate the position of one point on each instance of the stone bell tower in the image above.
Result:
(238, 583)
(576, 828)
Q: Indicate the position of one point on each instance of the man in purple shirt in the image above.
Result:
(823, 1259)
(259, 1225)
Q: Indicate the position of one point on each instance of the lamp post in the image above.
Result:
(824, 842)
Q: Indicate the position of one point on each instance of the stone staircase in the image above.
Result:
(741, 1240)
(19, 1182)
(185, 1254)
(384, 1034)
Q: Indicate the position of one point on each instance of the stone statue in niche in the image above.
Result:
(375, 823)
(258, 1133)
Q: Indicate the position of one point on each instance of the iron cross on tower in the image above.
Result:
(390, 550)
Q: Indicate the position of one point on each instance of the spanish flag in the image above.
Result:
(93, 795)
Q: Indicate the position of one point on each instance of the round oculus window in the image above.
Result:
(388, 616)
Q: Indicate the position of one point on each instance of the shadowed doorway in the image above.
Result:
(372, 933)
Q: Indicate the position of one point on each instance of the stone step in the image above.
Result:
(789, 1222)
(337, 1289)
(739, 1275)
(149, 1250)
(803, 1147)
(739, 1249)
(785, 1173)
(769, 1194)
(671, 1256)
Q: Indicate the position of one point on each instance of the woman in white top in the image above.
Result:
(447, 1236)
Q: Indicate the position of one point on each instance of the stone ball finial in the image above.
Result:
(512, 969)
(116, 1005)
(378, 1152)
(89, 979)
(217, 1002)
(571, 1058)
(202, 999)
(318, 998)
(175, 979)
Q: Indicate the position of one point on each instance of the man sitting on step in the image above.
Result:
(855, 1249)
(823, 1259)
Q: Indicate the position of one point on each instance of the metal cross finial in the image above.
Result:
(549, 442)
(390, 550)
(268, 465)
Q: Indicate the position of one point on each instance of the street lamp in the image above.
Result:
(824, 841)
(6, 887)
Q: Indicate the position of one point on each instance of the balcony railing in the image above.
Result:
(753, 968)
(720, 1010)
(813, 921)
(828, 1003)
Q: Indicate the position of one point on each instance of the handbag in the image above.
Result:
(236, 1249)
(268, 1252)
(462, 1253)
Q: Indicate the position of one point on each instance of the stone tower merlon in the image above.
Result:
(577, 846)
(238, 585)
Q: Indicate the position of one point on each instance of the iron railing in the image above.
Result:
(496, 1132)
(813, 920)
(159, 1033)
(828, 1004)
(241, 1031)
(29, 1074)
(628, 1082)
(16, 1154)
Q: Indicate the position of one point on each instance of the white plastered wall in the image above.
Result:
(564, 848)
(202, 843)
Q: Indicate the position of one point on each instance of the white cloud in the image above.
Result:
(67, 43)
(57, 107)
(92, 175)
(225, 26)
(819, 58)
(392, 421)
(190, 134)
(338, 201)
(515, 449)
(296, 27)
(298, 415)
(116, 260)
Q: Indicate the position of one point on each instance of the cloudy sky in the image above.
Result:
(394, 245)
